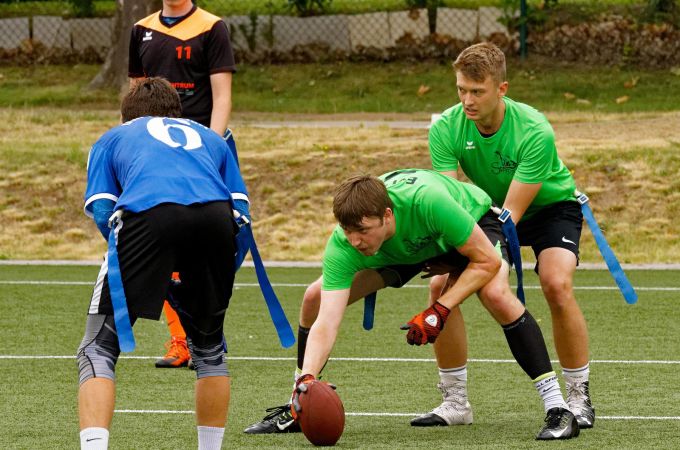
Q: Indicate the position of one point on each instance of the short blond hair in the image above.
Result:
(480, 61)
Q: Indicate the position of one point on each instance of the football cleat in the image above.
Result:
(560, 423)
(177, 355)
(279, 420)
(578, 399)
(454, 410)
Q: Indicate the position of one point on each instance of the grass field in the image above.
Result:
(634, 350)
(343, 87)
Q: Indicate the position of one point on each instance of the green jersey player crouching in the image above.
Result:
(391, 229)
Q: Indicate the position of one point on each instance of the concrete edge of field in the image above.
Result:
(302, 264)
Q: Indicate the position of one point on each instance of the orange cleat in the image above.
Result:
(177, 355)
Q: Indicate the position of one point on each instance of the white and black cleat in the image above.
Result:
(279, 420)
(578, 399)
(560, 423)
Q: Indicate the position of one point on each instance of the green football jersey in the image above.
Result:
(523, 149)
(433, 213)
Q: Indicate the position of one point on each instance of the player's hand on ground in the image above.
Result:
(426, 326)
(300, 387)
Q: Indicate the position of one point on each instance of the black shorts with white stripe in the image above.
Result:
(195, 240)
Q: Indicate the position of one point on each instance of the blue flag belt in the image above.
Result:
(283, 328)
(121, 316)
(369, 310)
(126, 340)
(510, 233)
(606, 251)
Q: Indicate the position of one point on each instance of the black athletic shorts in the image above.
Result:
(557, 225)
(198, 242)
(398, 275)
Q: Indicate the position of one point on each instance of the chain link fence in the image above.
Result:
(47, 32)
(271, 37)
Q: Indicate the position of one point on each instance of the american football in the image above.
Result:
(322, 415)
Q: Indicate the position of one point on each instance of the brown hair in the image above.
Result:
(152, 96)
(358, 197)
(480, 61)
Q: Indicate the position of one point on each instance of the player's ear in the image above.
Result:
(502, 89)
(389, 214)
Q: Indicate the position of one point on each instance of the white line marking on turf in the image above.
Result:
(386, 414)
(354, 359)
(317, 264)
(412, 286)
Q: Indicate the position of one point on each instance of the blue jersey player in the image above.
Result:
(175, 192)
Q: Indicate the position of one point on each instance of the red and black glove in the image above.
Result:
(426, 326)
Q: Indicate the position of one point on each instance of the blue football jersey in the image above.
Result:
(154, 160)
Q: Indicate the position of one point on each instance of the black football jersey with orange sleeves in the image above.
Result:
(185, 53)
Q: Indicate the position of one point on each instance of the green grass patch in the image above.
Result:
(394, 87)
(53, 86)
(40, 412)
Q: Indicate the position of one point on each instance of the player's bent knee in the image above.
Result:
(312, 296)
(99, 350)
(558, 290)
(311, 300)
(208, 360)
(437, 285)
(497, 297)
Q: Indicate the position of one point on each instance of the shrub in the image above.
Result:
(306, 8)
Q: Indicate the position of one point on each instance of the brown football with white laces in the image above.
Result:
(321, 415)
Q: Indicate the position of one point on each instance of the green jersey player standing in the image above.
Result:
(392, 228)
(508, 149)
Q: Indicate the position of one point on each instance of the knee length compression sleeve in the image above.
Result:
(527, 345)
(99, 350)
(208, 360)
(303, 334)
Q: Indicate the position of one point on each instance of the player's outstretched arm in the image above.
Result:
(323, 333)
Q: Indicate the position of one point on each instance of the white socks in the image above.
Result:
(210, 438)
(94, 438)
(549, 390)
(579, 375)
(448, 376)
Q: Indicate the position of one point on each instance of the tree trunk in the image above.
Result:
(114, 70)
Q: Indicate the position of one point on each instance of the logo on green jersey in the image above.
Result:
(503, 165)
(417, 244)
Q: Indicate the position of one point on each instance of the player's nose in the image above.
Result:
(354, 239)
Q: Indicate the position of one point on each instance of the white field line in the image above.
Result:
(384, 414)
(317, 264)
(359, 359)
(412, 286)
